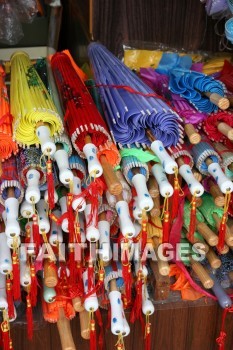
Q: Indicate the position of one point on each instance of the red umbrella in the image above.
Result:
(87, 129)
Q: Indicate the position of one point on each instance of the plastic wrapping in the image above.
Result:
(12, 14)
(139, 54)
(26, 10)
(10, 29)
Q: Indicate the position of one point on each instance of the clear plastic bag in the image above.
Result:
(10, 28)
(26, 10)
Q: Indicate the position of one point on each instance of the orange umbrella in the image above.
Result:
(7, 145)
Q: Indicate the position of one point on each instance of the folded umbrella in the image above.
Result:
(130, 106)
(35, 116)
(87, 129)
(7, 145)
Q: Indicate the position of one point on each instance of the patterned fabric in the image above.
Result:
(30, 158)
(10, 179)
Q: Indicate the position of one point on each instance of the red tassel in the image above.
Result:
(33, 290)
(222, 233)
(29, 318)
(147, 336)
(5, 335)
(16, 277)
(92, 335)
(90, 275)
(222, 228)
(222, 336)
(137, 306)
(175, 199)
(71, 218)
(50, 183)
(9, 294)
(192, 225)
(221, 341)
(166, 227)
(36, 233)
(72, 267)
(101, 327)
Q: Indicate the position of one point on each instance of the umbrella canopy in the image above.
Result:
(130, 106)
(30, 102)
(7, 145)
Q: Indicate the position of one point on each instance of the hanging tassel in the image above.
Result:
(222, 228)
(9, 294)
(16, 275)
(147, 333)
(50, 182)
(36, 233)
(126, 271)
(137, 306)
(101, 327)
(120, 343)
(29, 318)
(222, 336)
(33, 289)
(71, 218)
(192, 224)
(72, 266)
(93, 342)
(175, 197)
(166, 221)
(5, 327)
(144, 231)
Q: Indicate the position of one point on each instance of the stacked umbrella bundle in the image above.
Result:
(137, 197)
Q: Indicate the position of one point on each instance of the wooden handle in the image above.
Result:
(198, 200)
(180, 161)
(50, 274)
(10, 192)
(153, 187)
(113, 285)
(208, 161)
(77, 304)
(63, 325)
(163, 266)
(156, 211)
(222, 102)
(197, 175)
(113, 184)
(213, 259)
(210, 237)
(202, 274)
(87, 139)
(229, 234)
(225, 249)
(119, 197)
(226, 130)
(84, 324)
(216, 193)
(230, 274)
(205, 247)
(193, 136)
